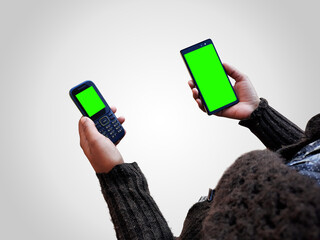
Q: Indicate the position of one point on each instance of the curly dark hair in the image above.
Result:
(259, 197)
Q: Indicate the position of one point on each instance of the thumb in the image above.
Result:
(87, 131)
(234, 73)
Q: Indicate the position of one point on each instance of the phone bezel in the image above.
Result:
(81, 87)
(193, 48)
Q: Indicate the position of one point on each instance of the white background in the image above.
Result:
(130, 49)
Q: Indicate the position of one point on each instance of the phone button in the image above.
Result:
(104, 121)
(110, 113)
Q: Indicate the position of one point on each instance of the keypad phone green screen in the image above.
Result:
(90, 101)
(210, 77)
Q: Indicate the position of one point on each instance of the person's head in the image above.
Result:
(259, 197)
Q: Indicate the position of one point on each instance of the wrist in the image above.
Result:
(106, 167)
(255, 105)
(249, 108)
(256, 112)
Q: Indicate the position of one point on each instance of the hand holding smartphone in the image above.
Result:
(209, 76)
(91, 103)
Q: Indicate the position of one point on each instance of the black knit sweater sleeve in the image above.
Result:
(272, 128)
(134, 213)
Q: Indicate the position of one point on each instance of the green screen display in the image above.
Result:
(90, 101)
(210, 77)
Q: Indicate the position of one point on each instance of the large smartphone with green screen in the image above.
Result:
(91, 103)
(209, 76)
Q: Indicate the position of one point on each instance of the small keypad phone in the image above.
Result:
(91, 103)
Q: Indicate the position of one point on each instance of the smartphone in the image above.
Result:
(91, 103)
(209, 76)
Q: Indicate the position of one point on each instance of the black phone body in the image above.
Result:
(209, 76)
(91, 103)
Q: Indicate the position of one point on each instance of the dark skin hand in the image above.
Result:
(104, 155)
(100, 151)
(248, 98)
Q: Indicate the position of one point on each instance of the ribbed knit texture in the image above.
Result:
(272, 128)
(253, 197)
(134, 213)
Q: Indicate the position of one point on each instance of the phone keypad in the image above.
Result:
(109, 126)
(104, 121)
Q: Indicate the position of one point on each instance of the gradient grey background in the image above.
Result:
(130, 49)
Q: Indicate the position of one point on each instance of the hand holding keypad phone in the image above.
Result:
(91, 103)
(209, 76)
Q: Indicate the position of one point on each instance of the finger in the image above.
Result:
(195, 93)
(113, 109)
(234, 73)
(88, 131)
(83, 138)
(121, 119)
(200, 104)
(191, 84)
